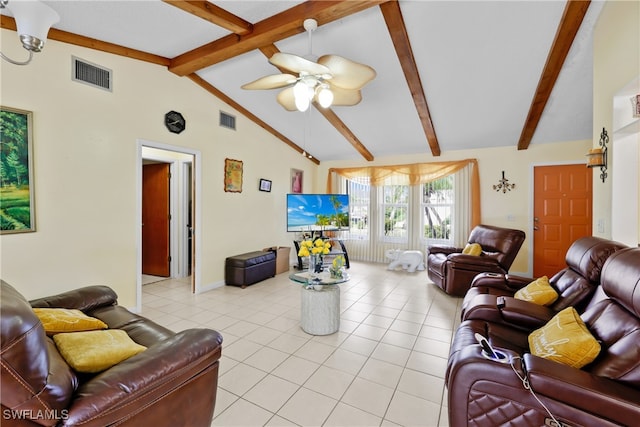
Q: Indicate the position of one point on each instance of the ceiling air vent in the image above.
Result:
(227, 120)
(91, 74)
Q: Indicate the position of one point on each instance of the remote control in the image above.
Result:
(486, 346)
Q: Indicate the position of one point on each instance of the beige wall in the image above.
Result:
(616, 62)
(85, 156)
(85, 153)
(512, 209)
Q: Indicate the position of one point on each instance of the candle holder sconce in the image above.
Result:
(504, 185)
(597, 157)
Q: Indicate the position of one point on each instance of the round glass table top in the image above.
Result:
(324, 278)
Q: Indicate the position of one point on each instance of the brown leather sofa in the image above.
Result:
(491, 295)
(171, 383)
(605, 392)
(453, 271)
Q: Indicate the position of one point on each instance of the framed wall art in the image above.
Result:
(233, 176)
(17, 210)
(296, 180)
(265, 185)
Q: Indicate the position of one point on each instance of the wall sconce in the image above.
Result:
(33, 21)
(597, 157)
(504, 185)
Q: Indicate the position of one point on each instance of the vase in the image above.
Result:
(315, 266)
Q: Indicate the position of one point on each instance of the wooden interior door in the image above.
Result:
(155, 219)
(562, 211)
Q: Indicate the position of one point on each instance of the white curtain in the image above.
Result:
(372, 247)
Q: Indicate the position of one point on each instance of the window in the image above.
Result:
(437, 206)
(395, 209)
(359, 202)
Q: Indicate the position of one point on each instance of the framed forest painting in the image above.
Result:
(17, 210)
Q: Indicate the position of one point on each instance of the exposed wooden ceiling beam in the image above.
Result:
(398, 32)
(335, 121)
(267, 31)
(327, 113)
(214, 14)
(223, 97)
(574, 13)
(63, 36)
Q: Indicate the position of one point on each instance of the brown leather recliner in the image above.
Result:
(173, 382)
(453, 271)
(605, 392)
(491, 295)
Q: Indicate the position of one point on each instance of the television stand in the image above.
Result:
(334, 253)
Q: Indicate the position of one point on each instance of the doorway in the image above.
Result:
(562, 213)
(184, 213)
(156, 219)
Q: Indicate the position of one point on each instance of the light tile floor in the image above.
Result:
(385, 366)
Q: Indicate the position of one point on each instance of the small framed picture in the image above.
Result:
(265, 185)
(296, 181)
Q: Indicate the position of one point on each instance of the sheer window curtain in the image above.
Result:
(466, 213)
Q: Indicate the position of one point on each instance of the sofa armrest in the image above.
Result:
(131, 386)
(83, 299)
(440, 249)
(580, 389)
(508, 311)
(507, 282)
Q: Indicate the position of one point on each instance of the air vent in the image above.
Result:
(227, 120)
(91, 74)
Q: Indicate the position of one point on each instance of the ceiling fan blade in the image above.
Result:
(345, 96)
(347, 74)
(298, 64)
(287, 100)
(271, 82)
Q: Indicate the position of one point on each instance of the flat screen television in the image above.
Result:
(317, 212)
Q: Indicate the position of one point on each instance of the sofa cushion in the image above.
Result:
(538, 292)
(565, 339)
(56, 320)
(472, 249)
(96, 351)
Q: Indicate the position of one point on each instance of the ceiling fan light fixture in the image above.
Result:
(325, 96)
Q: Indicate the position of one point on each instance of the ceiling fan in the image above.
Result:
(331, 80)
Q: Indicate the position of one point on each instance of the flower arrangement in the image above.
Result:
(314, 247)
(336, 268)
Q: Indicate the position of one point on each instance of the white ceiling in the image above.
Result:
(479, 63)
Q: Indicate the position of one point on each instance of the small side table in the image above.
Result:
(320, 313)
(320, 305)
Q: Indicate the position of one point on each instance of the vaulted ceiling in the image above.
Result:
(451, 75)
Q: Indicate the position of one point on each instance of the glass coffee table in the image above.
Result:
(319, 302)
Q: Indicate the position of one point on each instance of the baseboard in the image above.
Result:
(211, 286)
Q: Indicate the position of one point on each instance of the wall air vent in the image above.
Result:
(91, 74)
(227, 120)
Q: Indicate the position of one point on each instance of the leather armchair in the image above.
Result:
(491, 295)
(173, 382)
(453, 271)
(605, 392)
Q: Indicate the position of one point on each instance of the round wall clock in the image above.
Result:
(175, 122)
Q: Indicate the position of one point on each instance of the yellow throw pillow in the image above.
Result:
(472, 249)
(565, 339)
(95, 351)
(538, 292)
(57, 320)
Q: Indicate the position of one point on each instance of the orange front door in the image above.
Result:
(155, 219)
(562, 209)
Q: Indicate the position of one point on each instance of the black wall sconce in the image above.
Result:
(597, 157)
(504, 185)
